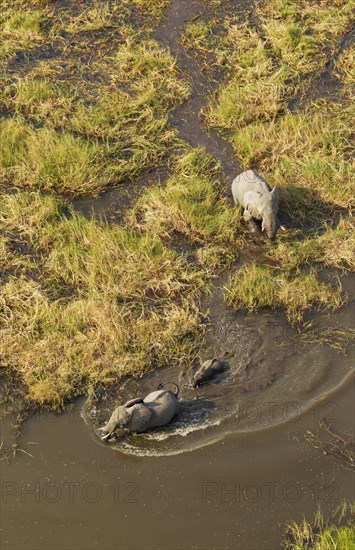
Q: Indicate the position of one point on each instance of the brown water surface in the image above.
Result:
(237, 493)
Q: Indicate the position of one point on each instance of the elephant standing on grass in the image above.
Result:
(258, 199)
(139, 415)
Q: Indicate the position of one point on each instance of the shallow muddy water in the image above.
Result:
(237, 493)
(229, 471)
(271, 376)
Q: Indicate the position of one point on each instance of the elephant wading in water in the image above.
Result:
(139, 415)
(207, 371)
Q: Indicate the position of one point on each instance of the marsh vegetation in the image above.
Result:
(335, 533)
(88, 96)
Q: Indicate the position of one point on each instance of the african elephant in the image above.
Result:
(139, 415)
(207, 371)
(258, 199)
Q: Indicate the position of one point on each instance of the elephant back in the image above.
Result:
(163, 405)
(141, 415)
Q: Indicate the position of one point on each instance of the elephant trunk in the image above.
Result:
(118, 432)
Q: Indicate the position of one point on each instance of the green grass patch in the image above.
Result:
(321, 534)
(40, 98)
(191, 204)
(94, 17)
(49, 160)
(266, 67)
(307, 155)
(258, 85)
(104, 302)
(106, 16)
(153, 7)
(251, 288)
(112, 133)
(256, 286)
(21, 30)
(333, 247)
(136, 116)
(199, 36)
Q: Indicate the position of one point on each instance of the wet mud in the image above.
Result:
(186, 119)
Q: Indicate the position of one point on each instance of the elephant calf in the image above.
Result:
(207, 371)
(258, 199)
(139, 415)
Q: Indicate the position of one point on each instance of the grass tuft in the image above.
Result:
(251, 288)
(321, 534)
(345, 66)
(334, 247)
(254, 287)
(49, 160)
(191, 204)
(24, 29)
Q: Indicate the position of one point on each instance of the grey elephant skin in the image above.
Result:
(139, 415)
(207, 371)
(258, 200)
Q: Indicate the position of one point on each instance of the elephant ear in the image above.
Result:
(140, 416)
(276, 195)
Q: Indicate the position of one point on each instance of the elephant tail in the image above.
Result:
(175, 391)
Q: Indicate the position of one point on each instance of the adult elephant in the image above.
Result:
(140, 415)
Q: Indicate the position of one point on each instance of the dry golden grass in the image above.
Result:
(191, 204)
(97, 304)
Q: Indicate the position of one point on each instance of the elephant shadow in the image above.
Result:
(304, 208)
